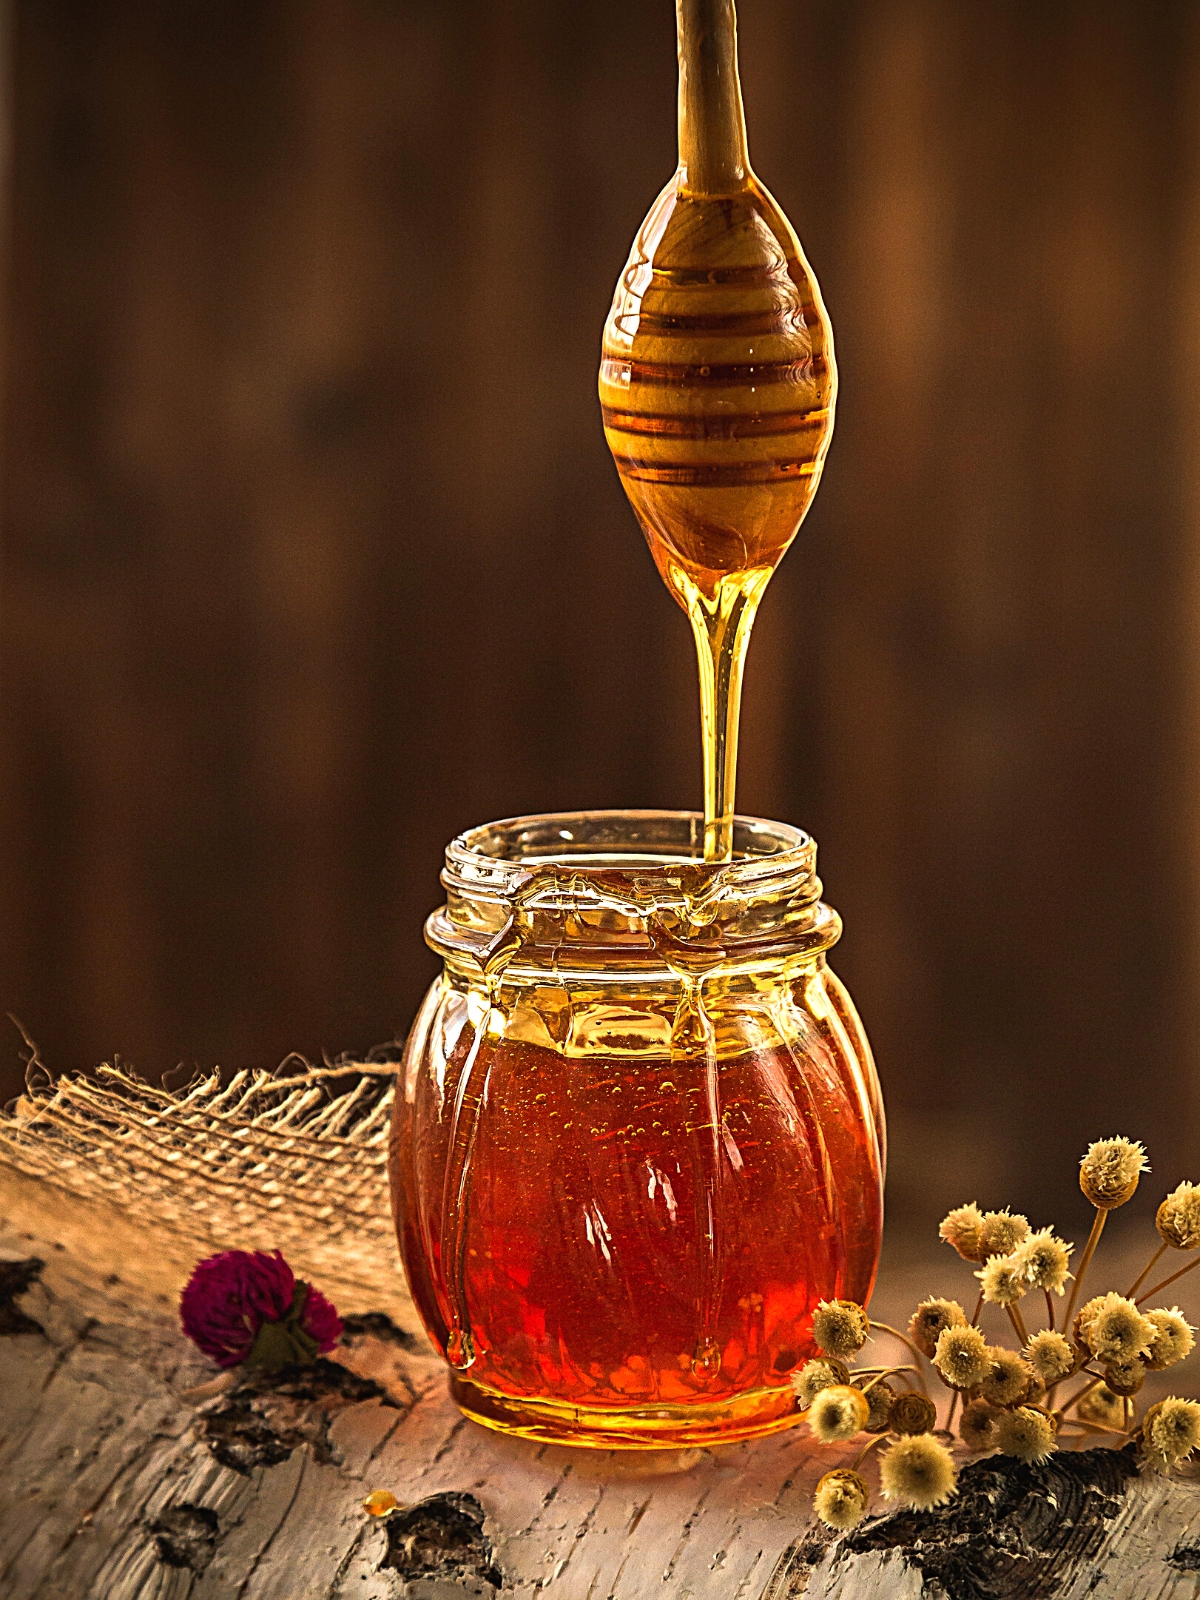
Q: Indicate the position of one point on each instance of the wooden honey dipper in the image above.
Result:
(717, 385)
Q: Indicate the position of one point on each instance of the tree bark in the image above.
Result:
(114, 1486)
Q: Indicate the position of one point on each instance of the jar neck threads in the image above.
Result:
(626, 891)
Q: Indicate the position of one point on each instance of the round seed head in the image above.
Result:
(962, 1357)
(1170, 1432)
(1083, 1317)
(977, 1425)
(1001, 1233)
(841, 1498)
(929, 1319)
(1125, 1377)
(879, 1400)
(840, 1327)
(1050, 1356)
(838, 1412)
(917, 1471)
(1103, 1406)
(1002, 1280)
(1043, 1260)
(1027, 1433)
(913, 1413)
(815, 1376)
(1178, 1219)
(1010, 1379)
(1109, 1173)
(1115, 1330)
(961, 1228)
(1174, 1338)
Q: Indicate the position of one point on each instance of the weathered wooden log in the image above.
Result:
(114, 1486)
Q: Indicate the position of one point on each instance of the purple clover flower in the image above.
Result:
(231, 1297)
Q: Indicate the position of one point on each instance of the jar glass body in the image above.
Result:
(637, 1133)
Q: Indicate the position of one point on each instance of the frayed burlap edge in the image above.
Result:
(152, 1179)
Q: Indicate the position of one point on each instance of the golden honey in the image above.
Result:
(637, 1133)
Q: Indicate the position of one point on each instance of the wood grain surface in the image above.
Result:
(115, 1485)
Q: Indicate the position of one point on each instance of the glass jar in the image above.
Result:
(637, 1133)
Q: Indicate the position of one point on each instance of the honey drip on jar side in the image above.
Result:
(693, 1044)
(717, 386)
(469, 1102)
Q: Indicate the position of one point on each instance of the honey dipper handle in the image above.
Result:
(712, 123)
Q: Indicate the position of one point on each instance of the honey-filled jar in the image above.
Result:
(637, 1133)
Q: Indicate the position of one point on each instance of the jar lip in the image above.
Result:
(656, 845)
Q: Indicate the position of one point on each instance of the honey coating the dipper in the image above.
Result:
(717, 386)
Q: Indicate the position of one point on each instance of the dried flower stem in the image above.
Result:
(883, 1327)
(1165, 1281)
(1078, 1396)
(215, 1386)
(1089, 1250)
(1145, 1273)
(1081, 1358)
(883, 1372)
(1018, 1322)
(1092, 1427)
(978, 1309)
(867, 1448)
(952, 1410)
(1049, 1311)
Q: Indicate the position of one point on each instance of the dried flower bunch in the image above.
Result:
(1009, 1395)
(247, 1308)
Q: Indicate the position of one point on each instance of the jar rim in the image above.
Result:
(615, 881)
(594, 843)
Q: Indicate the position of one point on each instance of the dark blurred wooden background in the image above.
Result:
(313, 553)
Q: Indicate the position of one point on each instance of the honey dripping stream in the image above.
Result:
(717, 386)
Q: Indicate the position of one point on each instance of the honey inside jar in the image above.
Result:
(589, 1224)
(638, 1135)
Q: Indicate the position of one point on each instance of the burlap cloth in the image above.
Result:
(143, 1181)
